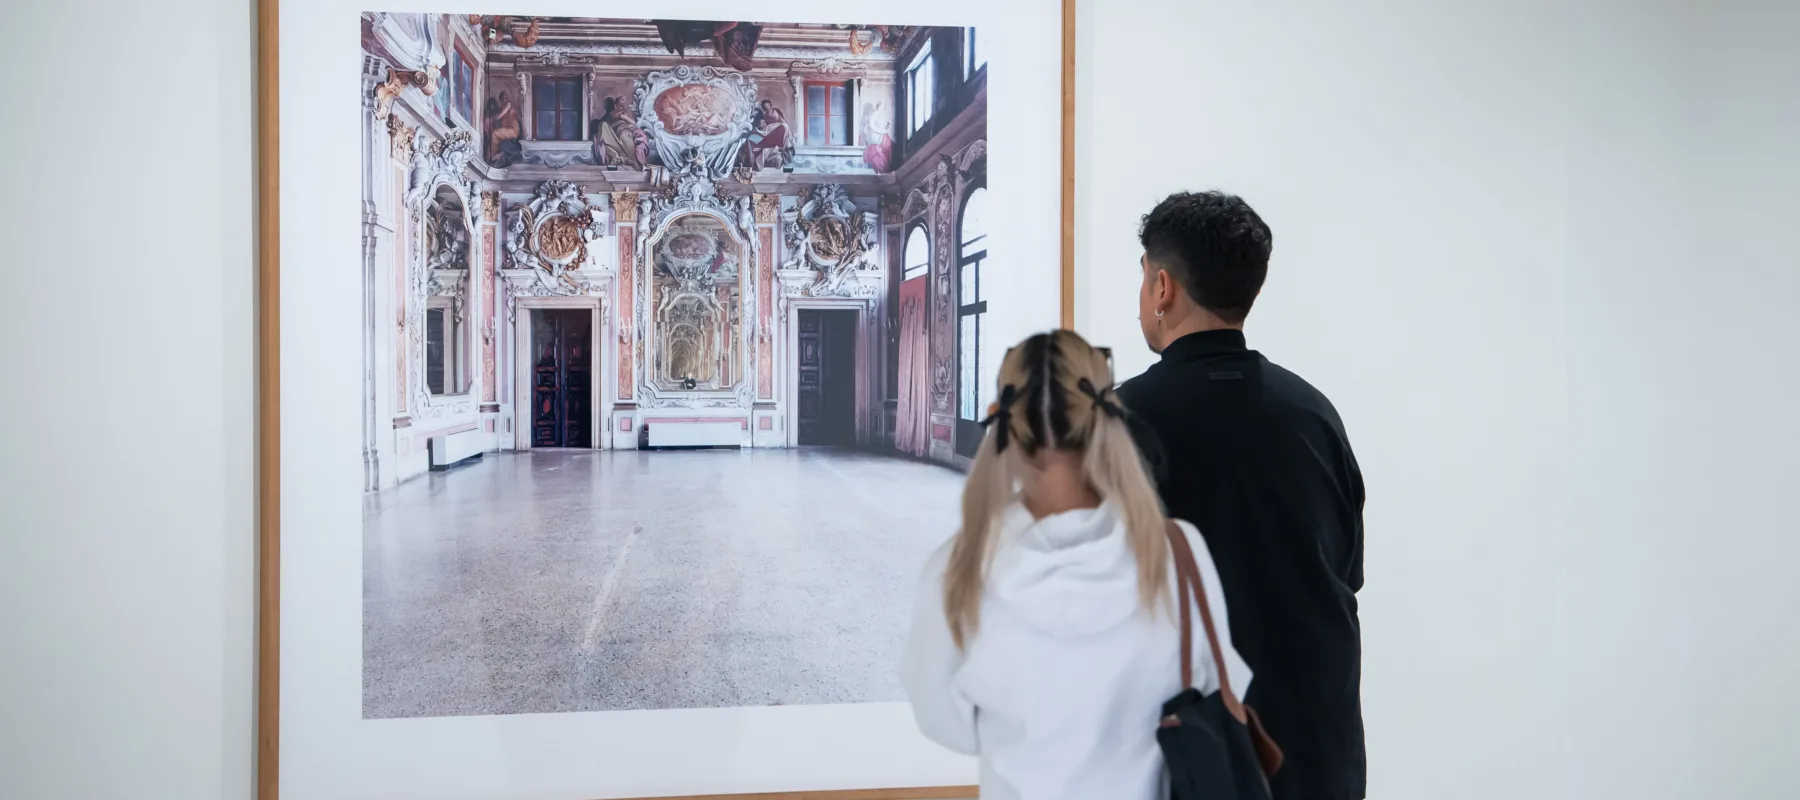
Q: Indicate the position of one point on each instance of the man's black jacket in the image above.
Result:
(1257, 459)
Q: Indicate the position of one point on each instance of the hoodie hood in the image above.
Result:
(1070, 574)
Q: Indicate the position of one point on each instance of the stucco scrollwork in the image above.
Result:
(549, 235)
(526, 283)
(693, 191)
(400, 140)
(827, 234)
(438, 268)
(438, 162)
(697, 115)
(412, 42)
(828, 65)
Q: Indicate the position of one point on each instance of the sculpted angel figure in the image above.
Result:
(451, 246)
(516, 229)
(797, 239)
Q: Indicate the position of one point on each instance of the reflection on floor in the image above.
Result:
(559, 581)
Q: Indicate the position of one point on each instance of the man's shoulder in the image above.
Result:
(1143, 389)
(1297, 391)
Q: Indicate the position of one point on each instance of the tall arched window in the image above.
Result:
(975, 385)
(917, 254)
(912, 356)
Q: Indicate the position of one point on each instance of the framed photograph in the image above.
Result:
(619, 362)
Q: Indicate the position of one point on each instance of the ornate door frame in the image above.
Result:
(790, 357)
(595, 305)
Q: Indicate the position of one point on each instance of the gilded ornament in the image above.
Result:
(625, 206)
(400, 140)
(768, 208)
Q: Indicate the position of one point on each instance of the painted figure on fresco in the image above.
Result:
(735, 42)
(768, 146)
(492, 26)
(696, 110)
(878, 142)
(503, 130)
(618, 139)
(886, 37)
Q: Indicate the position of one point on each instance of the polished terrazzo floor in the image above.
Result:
(557, 581)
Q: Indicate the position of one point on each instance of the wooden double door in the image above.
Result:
(827, 377)
(562, 378)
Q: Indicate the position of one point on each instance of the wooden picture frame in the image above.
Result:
(268, 706)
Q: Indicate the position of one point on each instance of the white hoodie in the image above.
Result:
(1061, 688)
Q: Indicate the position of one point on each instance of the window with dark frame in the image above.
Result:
(920, 76)
(556, 105)
(464, 87)
(827, 108)
(435, 347)
(975, 390)
(974, 54)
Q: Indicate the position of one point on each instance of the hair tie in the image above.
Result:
(1101, 402)
(1001, 412)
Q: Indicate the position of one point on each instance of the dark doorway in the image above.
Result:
(562, 378)
(827, 371)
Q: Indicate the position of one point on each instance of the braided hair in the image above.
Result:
(1055, 393)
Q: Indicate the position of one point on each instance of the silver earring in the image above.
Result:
(1159, 313)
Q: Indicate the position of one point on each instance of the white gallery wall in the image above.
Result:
(1542, 257)
(1410, 159)
(127, 345)
(1683, 354)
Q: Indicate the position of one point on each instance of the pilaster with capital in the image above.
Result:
(625, 214)
(799, 117)
(767, 213)
(489, 267)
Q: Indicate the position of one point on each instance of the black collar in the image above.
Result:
(1205, 344)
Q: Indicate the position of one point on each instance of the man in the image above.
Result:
(1258, 460)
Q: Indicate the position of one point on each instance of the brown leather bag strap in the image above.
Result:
(1187, 625)
(1187, 575)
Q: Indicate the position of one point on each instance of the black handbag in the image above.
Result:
(1214, 746)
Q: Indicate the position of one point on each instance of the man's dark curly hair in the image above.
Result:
(1214, 245)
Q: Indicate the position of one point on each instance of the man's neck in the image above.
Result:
(1198, 322)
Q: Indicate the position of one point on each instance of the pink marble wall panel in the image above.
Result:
(489, 313)
(765, 311)
(627, 305)
(401, 243)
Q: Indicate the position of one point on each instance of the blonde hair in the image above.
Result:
(1055, 393)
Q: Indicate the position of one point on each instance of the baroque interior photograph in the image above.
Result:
(671, 329)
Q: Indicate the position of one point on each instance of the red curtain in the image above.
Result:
(913, 413)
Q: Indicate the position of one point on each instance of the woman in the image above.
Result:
(1045, 635)
(878, 146)
(503, 129)
(618, 141)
